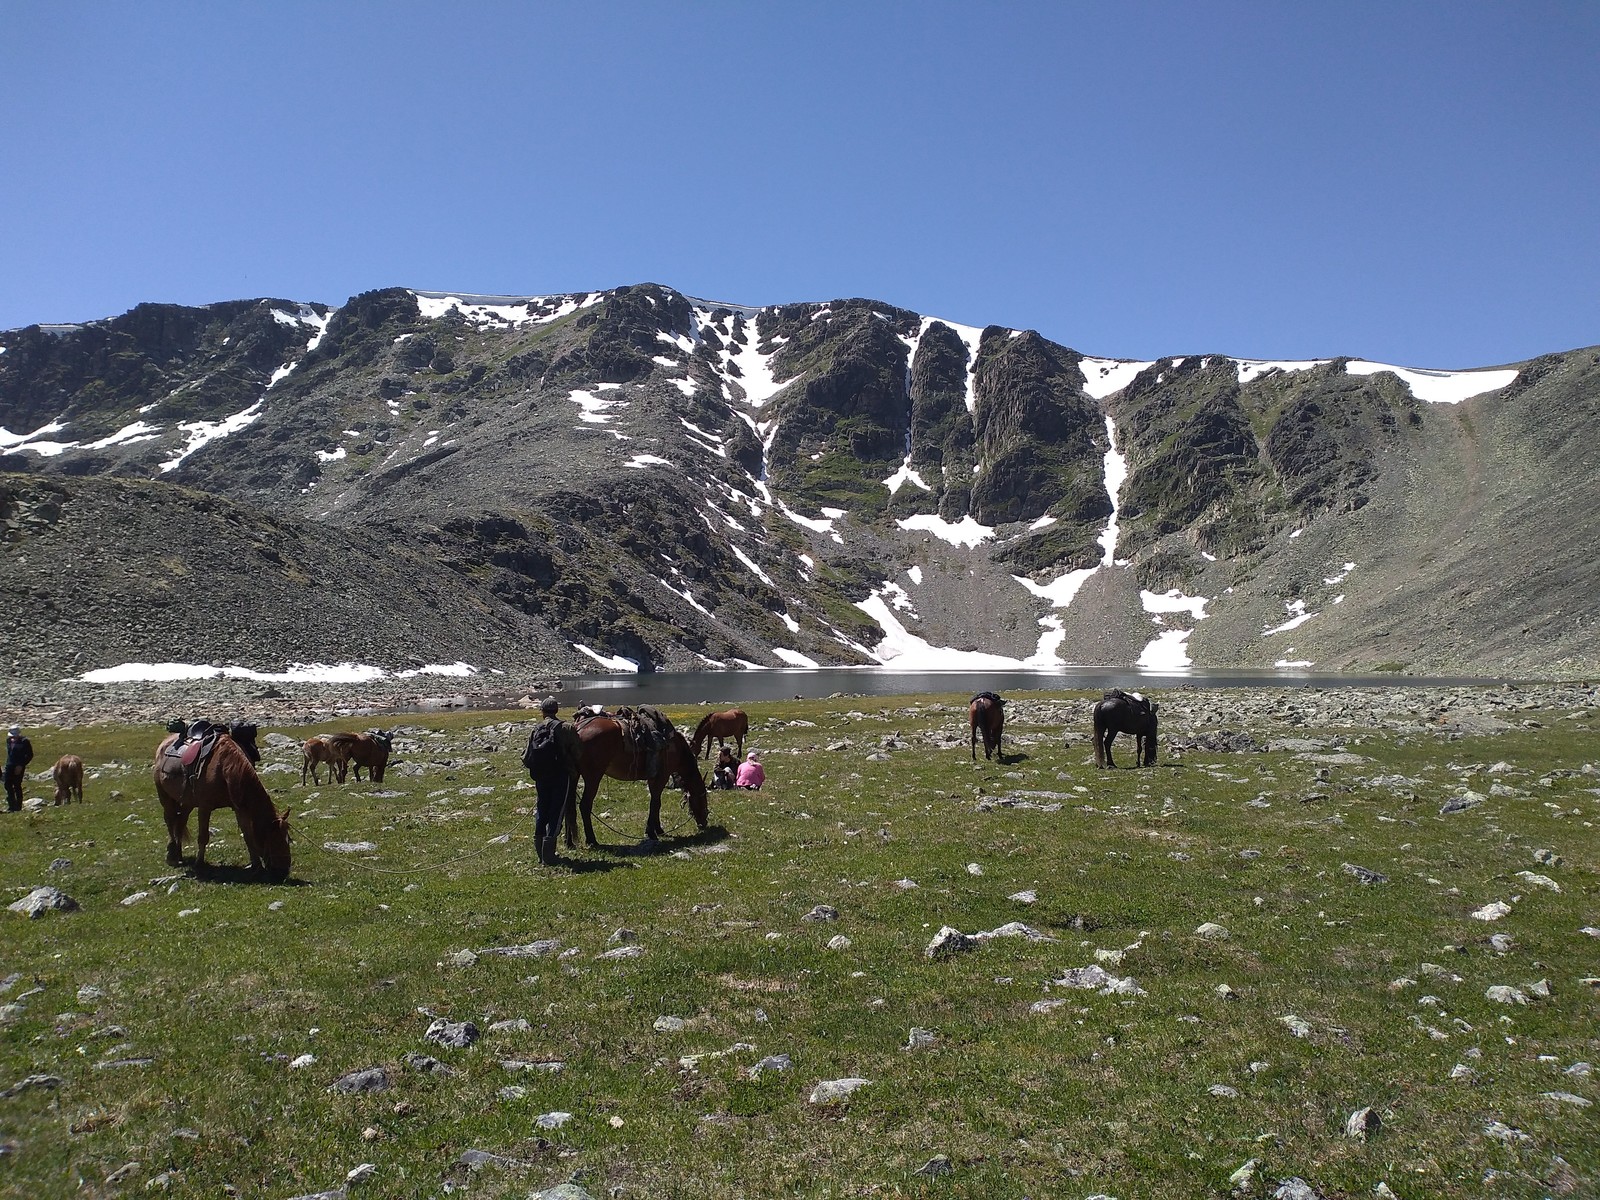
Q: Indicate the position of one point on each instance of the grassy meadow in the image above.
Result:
(177, 1027)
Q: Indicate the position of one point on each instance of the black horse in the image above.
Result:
(1125, 712)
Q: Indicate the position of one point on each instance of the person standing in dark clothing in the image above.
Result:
(552, 762)
(19, 753)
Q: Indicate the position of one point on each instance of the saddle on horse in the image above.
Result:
(646, 729)
(1136, 699)
(989, 696)
(194, 745)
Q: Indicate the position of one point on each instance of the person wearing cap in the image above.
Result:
(19, 753)
(552, 761)
(751, 773)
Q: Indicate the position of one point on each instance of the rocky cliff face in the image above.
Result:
(637, 475)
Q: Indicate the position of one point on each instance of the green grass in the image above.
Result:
(1104, 1094)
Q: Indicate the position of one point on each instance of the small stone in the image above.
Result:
(1295, 1189)
(1568, 1098)
(350, 847)
(60, 864)
(1296, 1025)
(974, 869)
(1492, 912)
(552, 1120)
(1225, 992)
(42, 900)
(1501, 1132)
(123, 1173)
(457, 1035)
(1244, 1179)
(669, 1024)
(460, 958)
(134, 898)
(948, 941)
(305, 1060)
(1362, 1124)
(1364, 875)
(621, 952)
(920, 1038)
(372, 1079)
(622, 937)
(362, 1173)
(1505, 994)
(839, 942)
(1212, 931)
(1223, 1092)
(514, 1025)
(772, 1062)
(1027, 897)
(1543, 881)
(831, 1091)
(938, 1165)
(1463, 1072)
(822, 912)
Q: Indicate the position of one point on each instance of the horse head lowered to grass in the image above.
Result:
(213, 771)
(1124, 712)
(636, 744)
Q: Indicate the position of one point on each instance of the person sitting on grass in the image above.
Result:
(751, 773)
(722, 774)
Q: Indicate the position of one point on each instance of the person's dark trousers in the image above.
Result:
(551, 790)
(14, 789)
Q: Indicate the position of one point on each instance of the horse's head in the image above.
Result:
(273, 837)
(694, 793)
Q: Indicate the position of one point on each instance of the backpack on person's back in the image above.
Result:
(543, 755)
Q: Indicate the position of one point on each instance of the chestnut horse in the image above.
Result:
(323, 749)
(1125, 712)
(720, 725)
(68, 774)
(605, 749)
(227, 780)
(986, 714)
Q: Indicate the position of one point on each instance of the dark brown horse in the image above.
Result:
(369, 750)
(226, 780)
(986, 714)
(720, 725)
(606, 748)
(1125, 712)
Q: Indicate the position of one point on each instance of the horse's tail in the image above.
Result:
(1099, 734)
(702, 733)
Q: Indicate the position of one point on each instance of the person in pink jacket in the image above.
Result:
(751, 774)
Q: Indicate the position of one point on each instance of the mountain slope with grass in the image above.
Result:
(637, 479)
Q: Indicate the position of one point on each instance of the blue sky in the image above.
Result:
(1412, 183)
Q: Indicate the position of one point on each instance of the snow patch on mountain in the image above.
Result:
(965, 532)
(1439, 387)
(1104, 377)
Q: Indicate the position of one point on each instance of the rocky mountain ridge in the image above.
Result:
(636, 478)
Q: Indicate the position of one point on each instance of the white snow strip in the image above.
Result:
(903, 475)
(1440, 387)
(1255, 368)
(1297, 616)
(687, 595)
(592, 409)
(1167, 652)
(328, 456)
(1293, 664)
(823, 524)
(647, 460)
(1043, 522)
(202, 433)
(907, 652)
(1116, 468)
(915, 573)
(1060, 591)
(139, 431)
(493, 311)
(1174, 601)
(965, 532)
(1341, 576)
(751, 563)
(897, 596)
(616, 663)
(346, 672)
(1104, 377)
(789, 622)
(793, 657)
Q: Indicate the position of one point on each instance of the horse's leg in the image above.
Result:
(202, 836)
(176, 820)
(1111, 736)
(652, 825)
(973, 739)
(591, 785)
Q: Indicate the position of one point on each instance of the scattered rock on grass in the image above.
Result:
(42, 900)
(831, 1091)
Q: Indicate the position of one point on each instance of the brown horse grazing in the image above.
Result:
(986, 714)
(720, 725)
(68, 774)
(324, 749)
(369, 750)
(227, 780)
(1125, 712)
(605, 749)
